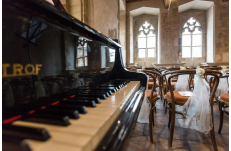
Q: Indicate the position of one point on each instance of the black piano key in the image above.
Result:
(118, 86)
(92, 92)
(40, 134)
(73, 114)
(50, 101)
(113, 89)
(15, 144)
(48, 119)
(80, 109)
(96, 99)
(87, 103)
(101, 96)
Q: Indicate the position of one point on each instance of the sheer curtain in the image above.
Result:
(197, 108)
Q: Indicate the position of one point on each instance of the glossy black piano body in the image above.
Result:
(37, 33)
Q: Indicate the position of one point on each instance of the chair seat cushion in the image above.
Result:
(178, 98)
(174, 80)
(151, 79)
(164, 84)
(148, 93)
(151, 83)
(225, 97)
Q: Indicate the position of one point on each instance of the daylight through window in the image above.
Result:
(192, 39)
(146, 41)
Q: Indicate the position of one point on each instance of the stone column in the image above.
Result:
(221, 31)
(122, 36)
(169, 37)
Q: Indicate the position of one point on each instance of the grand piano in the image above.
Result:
(64, 84)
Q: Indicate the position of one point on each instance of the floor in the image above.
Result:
(183, 140)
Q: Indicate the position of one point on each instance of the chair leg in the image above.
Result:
(169, 115)
(213, 139)
(150, 126)
(165, 110)
(172, 126)
(221, 118)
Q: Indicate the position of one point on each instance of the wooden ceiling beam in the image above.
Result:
(167, 3)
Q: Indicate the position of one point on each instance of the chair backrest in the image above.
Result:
(213, 73)
(156, 76)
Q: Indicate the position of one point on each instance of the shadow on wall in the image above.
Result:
(112, 33)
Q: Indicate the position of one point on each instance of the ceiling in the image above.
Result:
(145, 10)
(201, 5)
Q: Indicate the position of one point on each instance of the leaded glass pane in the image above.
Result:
(141, 34)
(196, 40)
(197, 31)
(186, 40)
(191, 20)
(86, 61)
(197, 24)
(186, 52)
(186, 31)
(146, 24)
(141, 53)
(151, 42)
(141, 42)
(151, 34)
(80, 62)
(196, 52)
(80, 52)
(151, 53)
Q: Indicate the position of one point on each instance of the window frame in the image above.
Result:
(146, 40)
(191, 37)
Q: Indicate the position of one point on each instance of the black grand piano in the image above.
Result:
(64, 84)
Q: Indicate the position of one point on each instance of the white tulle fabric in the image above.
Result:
(197, 108)
(182, 83)
(223, 86)
(143, 116)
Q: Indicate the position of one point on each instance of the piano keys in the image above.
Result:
(86, 132)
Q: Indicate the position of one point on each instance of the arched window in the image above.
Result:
(191, 39)
(146, 41)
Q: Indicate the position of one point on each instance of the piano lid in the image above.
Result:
(49, 14)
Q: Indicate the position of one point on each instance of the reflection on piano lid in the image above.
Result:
(81, 95)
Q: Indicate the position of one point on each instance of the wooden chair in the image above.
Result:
(174, 98)
(152, 97)
(224, 103)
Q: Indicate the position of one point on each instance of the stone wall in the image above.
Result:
(169, 24)
(137, 22)
(169, 39)
(200, 16)
(221, 31)
(123, 34)
(106, 17)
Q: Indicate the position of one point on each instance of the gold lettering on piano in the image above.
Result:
(29, 69)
